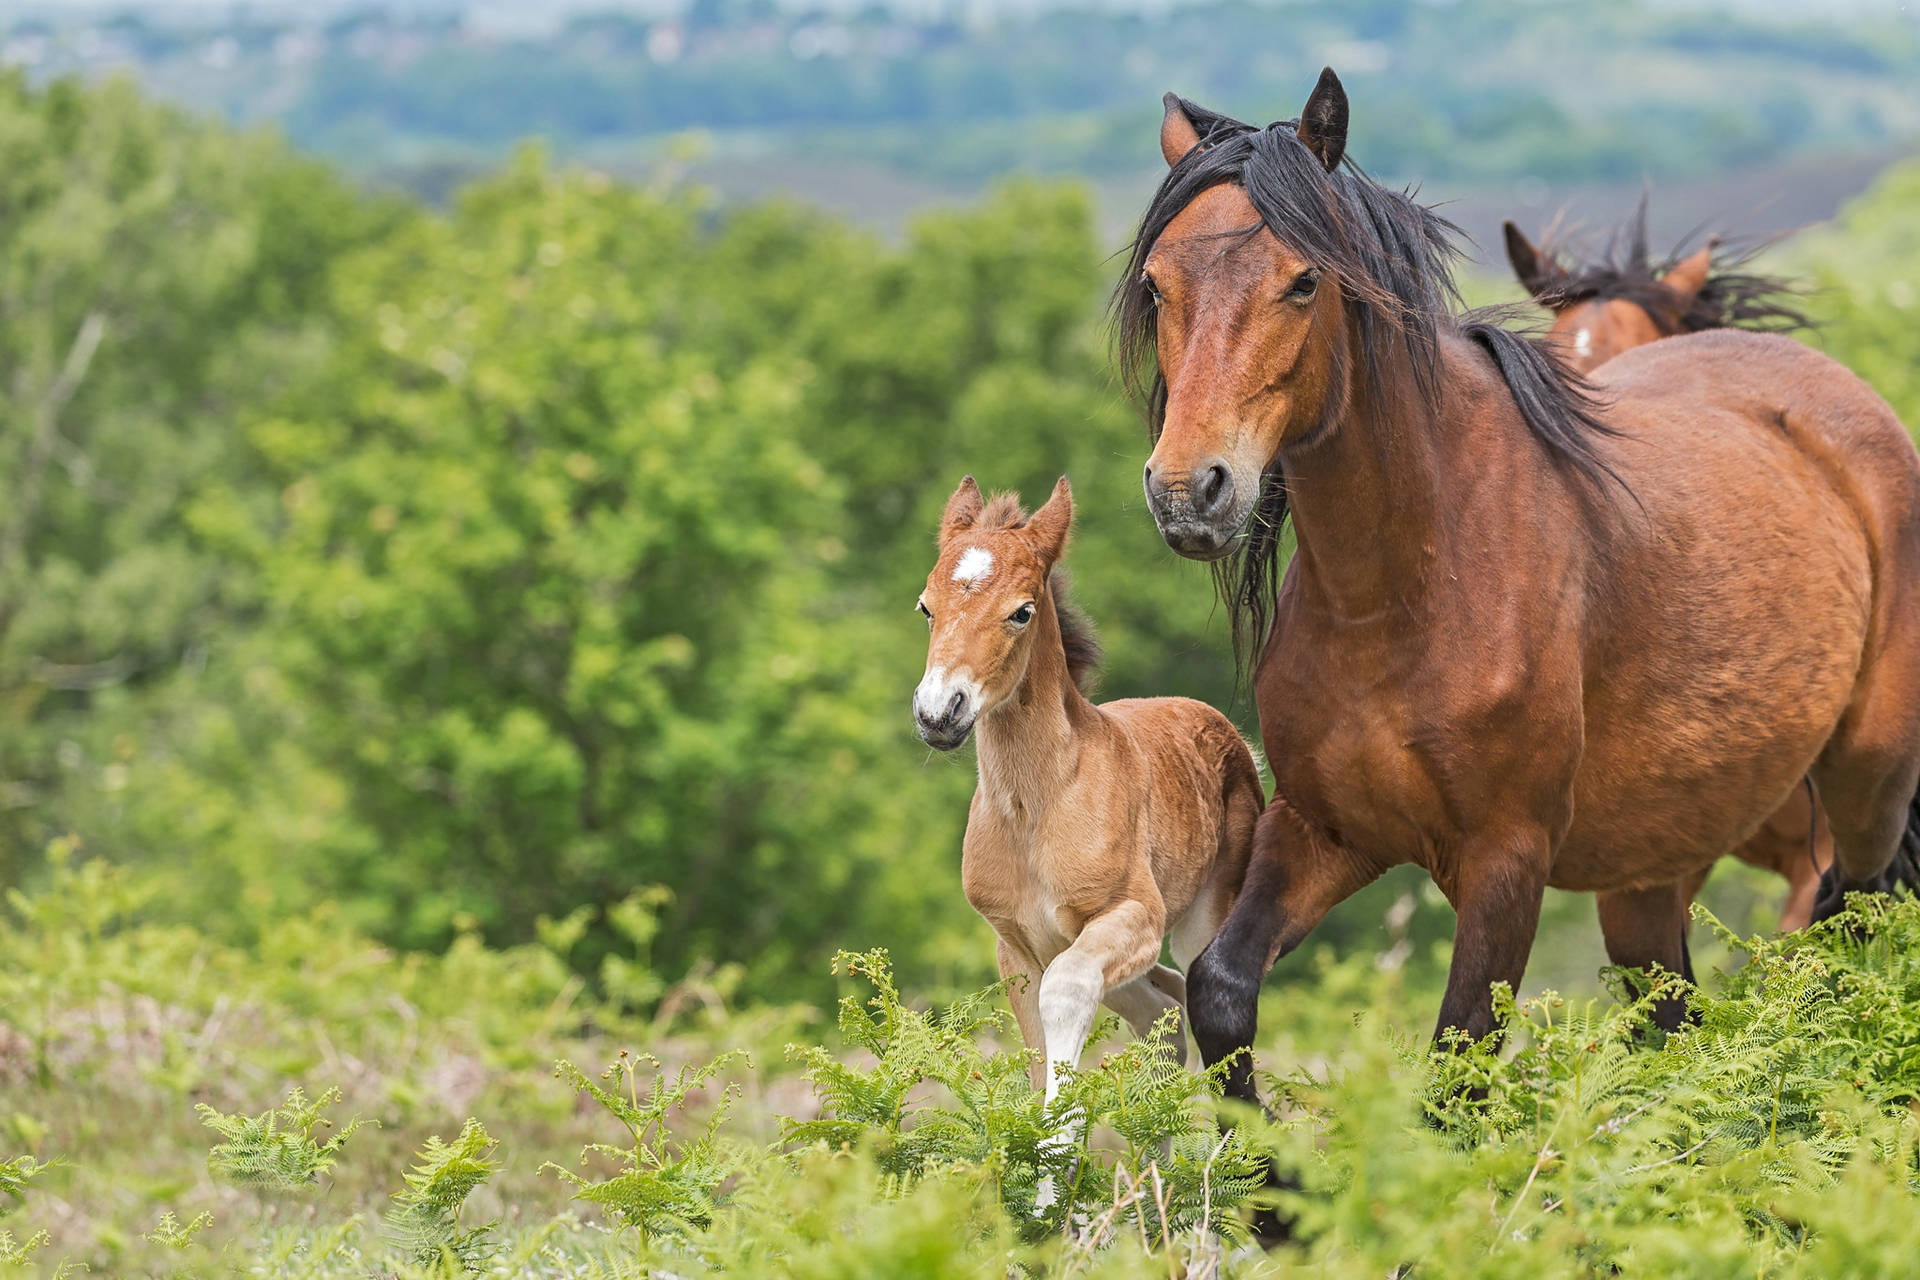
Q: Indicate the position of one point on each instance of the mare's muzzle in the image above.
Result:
(1195, 510)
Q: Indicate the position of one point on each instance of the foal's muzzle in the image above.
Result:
(1195, 510)
(943, 713)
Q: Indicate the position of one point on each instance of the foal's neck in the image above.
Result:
(1029, 744)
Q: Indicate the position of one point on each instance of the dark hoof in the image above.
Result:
(1831, 898)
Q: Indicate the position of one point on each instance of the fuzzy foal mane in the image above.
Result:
(1394, 258)
(1733, 297)
(1003, 511)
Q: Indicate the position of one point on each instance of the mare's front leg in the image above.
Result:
(1497, 886)
(1293, 879)
(1648, 927)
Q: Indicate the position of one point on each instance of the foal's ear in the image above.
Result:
(1323, 121)
(963, 508)
(1533, 274)
(1687, 276)
(1177, 134)
(1048, 526)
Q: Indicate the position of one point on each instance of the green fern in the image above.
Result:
(424, 1226)
(663, 1188)
(277, 1150)
(170, 1233)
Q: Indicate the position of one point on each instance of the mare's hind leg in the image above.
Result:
(1866, 779)
(1648, 927)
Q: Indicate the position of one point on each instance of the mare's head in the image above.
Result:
(986, 602)
(1265, 277)
(1623, 298)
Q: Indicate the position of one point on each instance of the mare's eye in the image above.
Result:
(1152, 287)
(925, 612)
(1303, 285)
(1022, 616)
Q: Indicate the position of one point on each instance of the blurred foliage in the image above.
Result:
(544, 570)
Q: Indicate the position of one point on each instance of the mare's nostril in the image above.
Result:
(1213, 487)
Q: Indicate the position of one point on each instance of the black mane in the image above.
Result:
(1732, 297)
(1394, 258)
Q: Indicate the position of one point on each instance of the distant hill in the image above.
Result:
(879, 109)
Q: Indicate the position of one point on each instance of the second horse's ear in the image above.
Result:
(1049, 525)
(1177, 134)
(1323, 121)
(1687, 276)
(1528, 267)
(963, 508)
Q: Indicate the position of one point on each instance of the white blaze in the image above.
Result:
(1583, 342)
(975, 564)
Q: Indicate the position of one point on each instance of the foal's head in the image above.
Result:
(981, 602)
(1623, 298)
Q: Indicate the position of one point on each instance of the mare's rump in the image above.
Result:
(1755, 599)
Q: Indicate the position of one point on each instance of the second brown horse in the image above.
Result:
(1618, 299)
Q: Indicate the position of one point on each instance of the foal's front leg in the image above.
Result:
(1114, 947)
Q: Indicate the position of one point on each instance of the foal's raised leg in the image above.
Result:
(1648, 927)
(1113, 950)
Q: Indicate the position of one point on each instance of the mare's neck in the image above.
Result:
(1029, 745)
(1366, 497)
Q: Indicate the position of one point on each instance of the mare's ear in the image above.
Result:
(1177, 134)
(1533, 273)
(1048, 526)
(1323, 121)
(1687, 276)
(963, 508)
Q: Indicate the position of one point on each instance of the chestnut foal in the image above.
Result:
(1095, 831)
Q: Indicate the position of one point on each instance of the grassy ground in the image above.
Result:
(1773, 1139)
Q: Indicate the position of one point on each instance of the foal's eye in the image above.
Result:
(1303, 285)
(1022, 616)
(925, 612)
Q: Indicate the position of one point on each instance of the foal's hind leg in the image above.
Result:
(1143, 1002)
(1648, 927)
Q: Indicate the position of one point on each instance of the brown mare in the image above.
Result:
(1528, 637)
(1623, 299)
(1096, 832)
